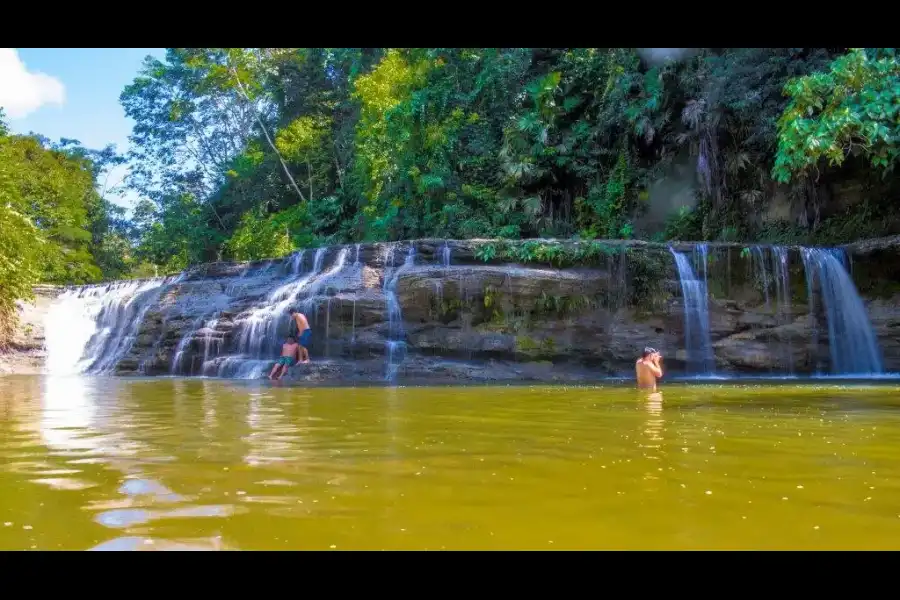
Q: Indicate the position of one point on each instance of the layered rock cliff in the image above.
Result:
(435, 310)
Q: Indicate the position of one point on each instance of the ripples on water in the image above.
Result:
(113, 464)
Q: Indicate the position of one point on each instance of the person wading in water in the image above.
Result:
(648, 370)
(304, 333)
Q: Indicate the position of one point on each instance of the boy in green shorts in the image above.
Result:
(290, 354)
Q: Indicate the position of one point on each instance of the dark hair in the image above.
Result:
(648, 351)
(292, 310)
(291, 338)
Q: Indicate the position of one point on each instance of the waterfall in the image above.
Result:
(339, 264)
(260, 328)
(852, 342)
(395, 346)
(176, 366)
(288, 291)
(308, 306)
(198, 327)
(771, 266)
(698, 342)
(230, 319)
(120, 325)
(445, 255)
(91, 329)
(296, 262)
(783, 298)
(263, 330)
(357, 266)
(758, 260)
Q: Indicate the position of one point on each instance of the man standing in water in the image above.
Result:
(648, 370)
(304, 333)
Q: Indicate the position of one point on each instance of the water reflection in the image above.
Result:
(655, 421)
(653, 441)
(209, 405)
(138, 544)
(68, 415)
(271, 439)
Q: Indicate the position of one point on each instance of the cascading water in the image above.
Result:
(288, 291)
(395, 345)
(339, 265)
(200, 326)
(91, 329)
(261, 331)
(783, 299)
(445, 258)
(770, 265)
(297, 262)
(357, 267)
(852, 342)
(698, 342)
(122, 323)
(308, 306)
(177, 368)
(264, 329)
(211, 343)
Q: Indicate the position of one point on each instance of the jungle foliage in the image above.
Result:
(253, 152)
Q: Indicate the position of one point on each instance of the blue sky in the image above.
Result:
(72, 93)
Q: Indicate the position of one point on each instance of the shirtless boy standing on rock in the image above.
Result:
(647, 369)
(304, 333)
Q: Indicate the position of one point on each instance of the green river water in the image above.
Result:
(97, 463)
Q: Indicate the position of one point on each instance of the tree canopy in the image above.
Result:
(55, 226)
(267, 150)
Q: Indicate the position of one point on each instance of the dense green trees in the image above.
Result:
(55, 226)
(265, 150)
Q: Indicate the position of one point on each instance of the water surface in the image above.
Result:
(101, 463)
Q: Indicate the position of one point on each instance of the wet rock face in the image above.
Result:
(501, 316)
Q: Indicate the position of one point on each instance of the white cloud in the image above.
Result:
(21, 92)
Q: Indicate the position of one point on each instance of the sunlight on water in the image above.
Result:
(67, 413)
(178, 464)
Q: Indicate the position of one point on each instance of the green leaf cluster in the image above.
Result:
(853, 108)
